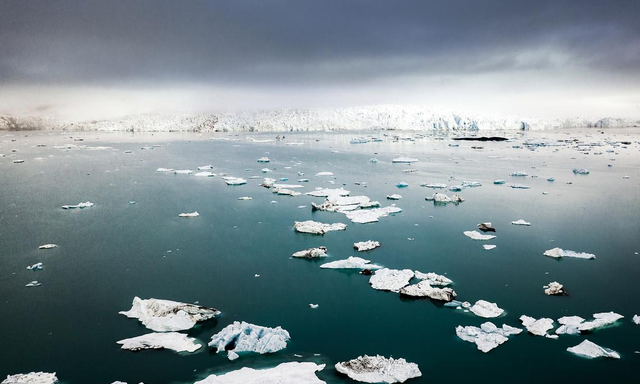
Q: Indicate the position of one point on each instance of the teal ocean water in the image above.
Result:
(114, 251)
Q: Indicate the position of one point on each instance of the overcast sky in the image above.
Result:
(555, 58)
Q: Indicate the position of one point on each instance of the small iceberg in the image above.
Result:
(580, 171)
(424, 289)
(591, 351)
(486, 227)
(178, 342)
(234, 180)
(183, 172)
(395, 196)
(164, 170)
(636, 319)
(31, 378)
(404, 160)
(441, 198)
(192, 214)
(569, 325)
(328, 192)
(499, 182)
(488, 247)
(324, 174)
(433, 278)
(520, 186)
(455, 188)
(205, 168)
(602, 320)
(205, 174)
(538, 327)
(245, 337)
(317, 228)
(559, 253)
(483, 308)
(244, 198)
(475, 235)
(35, 267)
(488, 336)
(285, 373)
(351, 263)
(33, 283)
(519, 174)
(471, 184)
(554, 289)
(379, 369)
(364, 216)
(168, 316)
(48, 246)
(86, 204)
(311, 253)
(402, 184)
(520, 222)
(393, 280)
(263, 160)
(366, 245)
(433, 185)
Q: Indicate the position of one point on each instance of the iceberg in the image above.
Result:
(205, 174)
(35, 267)
(486, 309)
(554, 289)
(433, 278)
(86, 204)
(559, 252)
(328, 192)
(602, 320)
(500, 182)
(285, 373)
(245, 337)
(636, 319)
(205, 168)
(424, 289)
(244, 198)
(263, 160)
(351, 263)
(363, 216)
(569, 325)
(192, 214)
(486, 227)
(538, 327)
(48, 246)
(520, 222)
(404, 160)
(378, 369)
(317, 228)
(31, 378)
(285, 192)
(471, 184)
(488, 247)
(366, 245)
(393, 280)
(475, 235)
(324, 174)
(168, 316)
(519, 173)
(33, 283)
(183, 172)
(433, 185)
(442, 198)
(178, 342)
(394, 196)
(591, 351)
(234, 180)
(312, 252)
(488, 336)
(520, 186)
(580, 171)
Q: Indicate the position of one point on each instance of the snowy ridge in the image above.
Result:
(400, 117)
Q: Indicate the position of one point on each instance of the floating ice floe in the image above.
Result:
(285, 192)
(192, 214)
(554, 289)
(86, 204)
(178, 342)
(351, 263)
(312, 252)
(433, 278)
(336, 203)
(324, 174)
(483, 308)
(455, 188)
(363, 216)
(569, 325)
(559, 252)
(245, 337)
(519, 173)
(366, 245)
(520, 222)
(404, 160)
(602, 320)
(488, 336)
(636, 319)
(471, 184)
(164, 170)
(285, 373)
(538, 327)
(379, 369)
(18, 161)
(35, 267)
(230, 180)
(168, 316)
(393, 280)
(475, 235)
(183, 171)
(424, 289)
(394, 196)
(442, 198)
(317, 228)
(48, 246)
(402, 184)
(265, 170)
(580, 171)
(520, 186)
(499, 182)
(263, 160)
(205, 174)
(433, 185)
(591, 351)
(244, 198)
(314, 306)
(488, 247)
(205, 167)
(326, 192)
(33, 283)
(31, 378)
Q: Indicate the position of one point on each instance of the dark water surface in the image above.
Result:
(114, 251)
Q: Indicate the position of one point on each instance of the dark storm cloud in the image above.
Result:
(308, 42)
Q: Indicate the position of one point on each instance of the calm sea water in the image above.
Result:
(114, 251)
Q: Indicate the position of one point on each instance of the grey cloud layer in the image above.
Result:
(309, 42)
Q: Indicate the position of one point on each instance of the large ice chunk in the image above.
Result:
(245, 337)
(475, 235)
(404, 160)
(31, 378)
(351, 263)
(178, 342)
(486, 309)
(312, 252)
(391, 279)
(569, 325)
(168, 316)
(86, 204)
(363, 216)
(559, 252)
(488, 336)
(602, 320)
(366, 245)
(433, 278)
(538, 327)
(317, 228)
(379, 369)
(424, 289)
(591, 351)
(285, 373)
